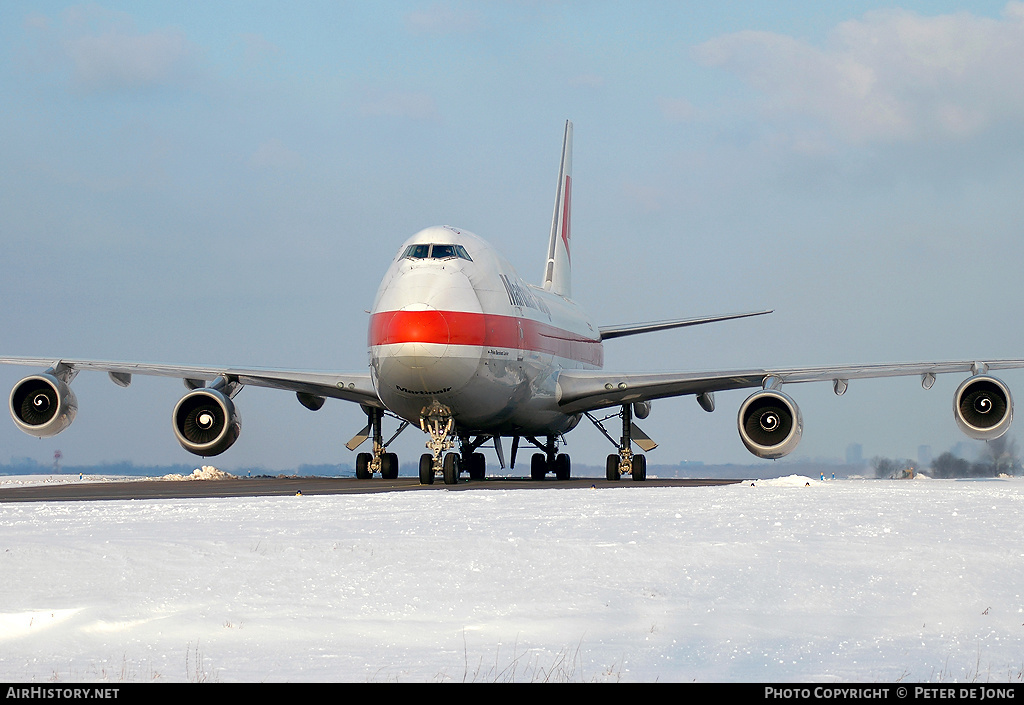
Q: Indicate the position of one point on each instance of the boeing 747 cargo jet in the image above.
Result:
(462, 347)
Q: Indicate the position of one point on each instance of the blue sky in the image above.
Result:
(226, 183)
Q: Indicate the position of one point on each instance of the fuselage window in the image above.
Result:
(462, 253)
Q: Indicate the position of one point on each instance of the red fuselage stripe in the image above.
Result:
(567, 216)
(482, 330)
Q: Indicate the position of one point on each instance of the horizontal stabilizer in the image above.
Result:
(608, 332)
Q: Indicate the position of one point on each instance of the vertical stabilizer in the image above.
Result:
(558, 270)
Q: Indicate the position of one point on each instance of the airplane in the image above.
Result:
(461, 346)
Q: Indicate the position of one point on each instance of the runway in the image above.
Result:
(284, 486)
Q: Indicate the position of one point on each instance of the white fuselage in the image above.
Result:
(455, 324)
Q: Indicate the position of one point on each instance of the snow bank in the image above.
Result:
(846, 581)
(790, 481)
(207, 472)
(35, 480)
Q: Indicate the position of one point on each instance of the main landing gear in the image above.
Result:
(379, 461)
(549, 461)
(626, 462)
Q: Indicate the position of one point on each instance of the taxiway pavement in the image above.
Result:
(290, 485)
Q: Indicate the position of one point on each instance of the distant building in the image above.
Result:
(855, 454)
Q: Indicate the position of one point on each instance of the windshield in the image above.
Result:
(436, 252)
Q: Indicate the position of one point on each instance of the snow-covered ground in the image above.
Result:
(786, 580)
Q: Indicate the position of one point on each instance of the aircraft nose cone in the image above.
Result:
(420, 336)
(426, 332)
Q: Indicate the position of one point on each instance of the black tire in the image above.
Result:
(426, 469)
(563, 467)
(363, 466)
(477, 466)
(451, 468)
(389, 466)
(538, 466)
(639, 468)
(611, 469)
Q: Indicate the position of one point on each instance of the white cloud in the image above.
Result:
(677, 109)
(103, 51)
(257, 50)
(116, 62)
(645, 197)
(273, 154)
(587, 80)
(415, 105)
(442, 18)
(890, 75)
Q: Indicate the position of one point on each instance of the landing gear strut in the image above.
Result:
(368, 464)
(438, 422)
(626, 462)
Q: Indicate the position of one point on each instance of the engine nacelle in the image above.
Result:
(770, 424)
(983, 407)
(42, 405)
(206, 422)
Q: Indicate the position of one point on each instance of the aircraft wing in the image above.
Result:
(356, 387)
(587, 390)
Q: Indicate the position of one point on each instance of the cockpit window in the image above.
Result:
(436, 252)
(417, 251)
(442, 251)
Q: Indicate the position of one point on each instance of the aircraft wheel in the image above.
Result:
(452, 467)
(639, 468)
(538, 466)
(363, 466)
(426, 469)
(389, 466)
(611, 468)
(477, 466)
(562, 467)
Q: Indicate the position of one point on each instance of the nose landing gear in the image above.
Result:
(437, 420)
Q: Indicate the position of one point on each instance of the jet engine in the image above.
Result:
(983, 407)
(770, 424)
(43, 405)
(206, 422)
